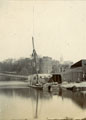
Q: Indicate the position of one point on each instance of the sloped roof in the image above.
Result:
(78, 64)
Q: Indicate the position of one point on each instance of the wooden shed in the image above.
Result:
(56, 78)
(76, 73)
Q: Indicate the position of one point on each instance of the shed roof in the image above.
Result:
(79, 63)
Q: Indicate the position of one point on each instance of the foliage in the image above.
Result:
(21, 66)
(27, 66)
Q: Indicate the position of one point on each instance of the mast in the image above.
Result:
(33, 42)
(35, 58)
(34, 54)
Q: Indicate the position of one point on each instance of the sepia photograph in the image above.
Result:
(42, 60)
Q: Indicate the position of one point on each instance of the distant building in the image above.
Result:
(55, 66)
(68, 62)
(65, 65)
(46, 65)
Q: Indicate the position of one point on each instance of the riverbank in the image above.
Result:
(13, 84)
(10, 77)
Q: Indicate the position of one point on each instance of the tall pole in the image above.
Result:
(34, 51)
(35, 58)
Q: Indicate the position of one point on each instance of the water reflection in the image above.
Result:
(78, 98)
(38, 104)
(25, 93)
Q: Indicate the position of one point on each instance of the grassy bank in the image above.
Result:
(12, 78)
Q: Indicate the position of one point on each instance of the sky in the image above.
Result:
(58, 27)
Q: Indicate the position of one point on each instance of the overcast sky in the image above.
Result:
(59, 29)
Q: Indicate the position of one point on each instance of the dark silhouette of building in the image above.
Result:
(76, 73)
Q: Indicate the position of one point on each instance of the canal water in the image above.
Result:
(31, 104)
